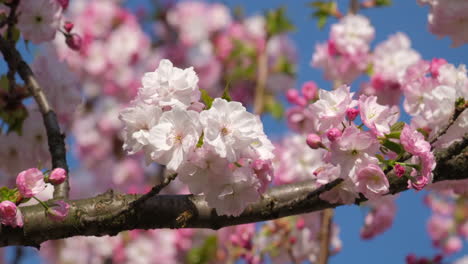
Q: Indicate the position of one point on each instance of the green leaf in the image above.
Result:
(395, 134)
(395, 147)
(7, 194)
(226, 95)
(200, 140)
(322, 21)
(277, 22)
(4, 82)
(284, 65)
(274, 107)
(397, 127)
(323, 10)
(205, 253)
(207, 99)
(14, 118)
(381, 3)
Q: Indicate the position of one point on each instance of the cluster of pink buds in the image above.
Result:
(30, 183)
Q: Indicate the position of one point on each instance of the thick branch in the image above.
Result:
(178, 211)
(55, 138)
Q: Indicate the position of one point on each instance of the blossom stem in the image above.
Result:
(354, 6)
(262, 76)
(325, 230)
(41, 202)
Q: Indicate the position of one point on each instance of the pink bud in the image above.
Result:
(68, 26)
(63, 3)
(351, 113)
(57, 176)
(300, 223)
(399, 170)
(309, 90)
(30, 182)
(59, 211)
(292, 95)
(73, 41)
(10, 214)
(452, 245)
(411, 259)
(333, 134)
(314, 141)
(292, 240)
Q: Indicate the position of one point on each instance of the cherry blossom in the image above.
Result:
(39, 20)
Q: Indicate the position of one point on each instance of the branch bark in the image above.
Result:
(55, 138)
(190, 211)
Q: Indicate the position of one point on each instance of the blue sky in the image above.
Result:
(408, 234)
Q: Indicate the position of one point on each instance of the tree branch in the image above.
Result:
(191, 211)
(55, 138)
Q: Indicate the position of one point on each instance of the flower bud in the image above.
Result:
(309, 90)
(399, 170)
(68, 26)
(57, 176)
(30, 182)
(351, 113)
(63, 3)
(314, 141)
(73, 41)
(333, 134)
(292, 95)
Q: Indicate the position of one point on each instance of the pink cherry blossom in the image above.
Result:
(10, 215)
(39, 20)
(331, 107)
(372, 182)
(413, 141)
(58, 211)
(30, 182)
(57, 176)
(352, 34)
(169, 86)
(231, 130)
(380, 218)
(175, 135)
(376, 117)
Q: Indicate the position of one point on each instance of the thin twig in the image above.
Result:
(456, 114)
(325, 236)
(55, 138)
(19, 252)
(262, 76)
(354, 6)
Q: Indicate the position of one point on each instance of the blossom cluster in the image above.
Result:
(448, 18)
(29, 184)
(348, 54)
(219, 150)
(359, 156)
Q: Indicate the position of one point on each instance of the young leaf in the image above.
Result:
(205, 253)
(277, 22)
(207, 99)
